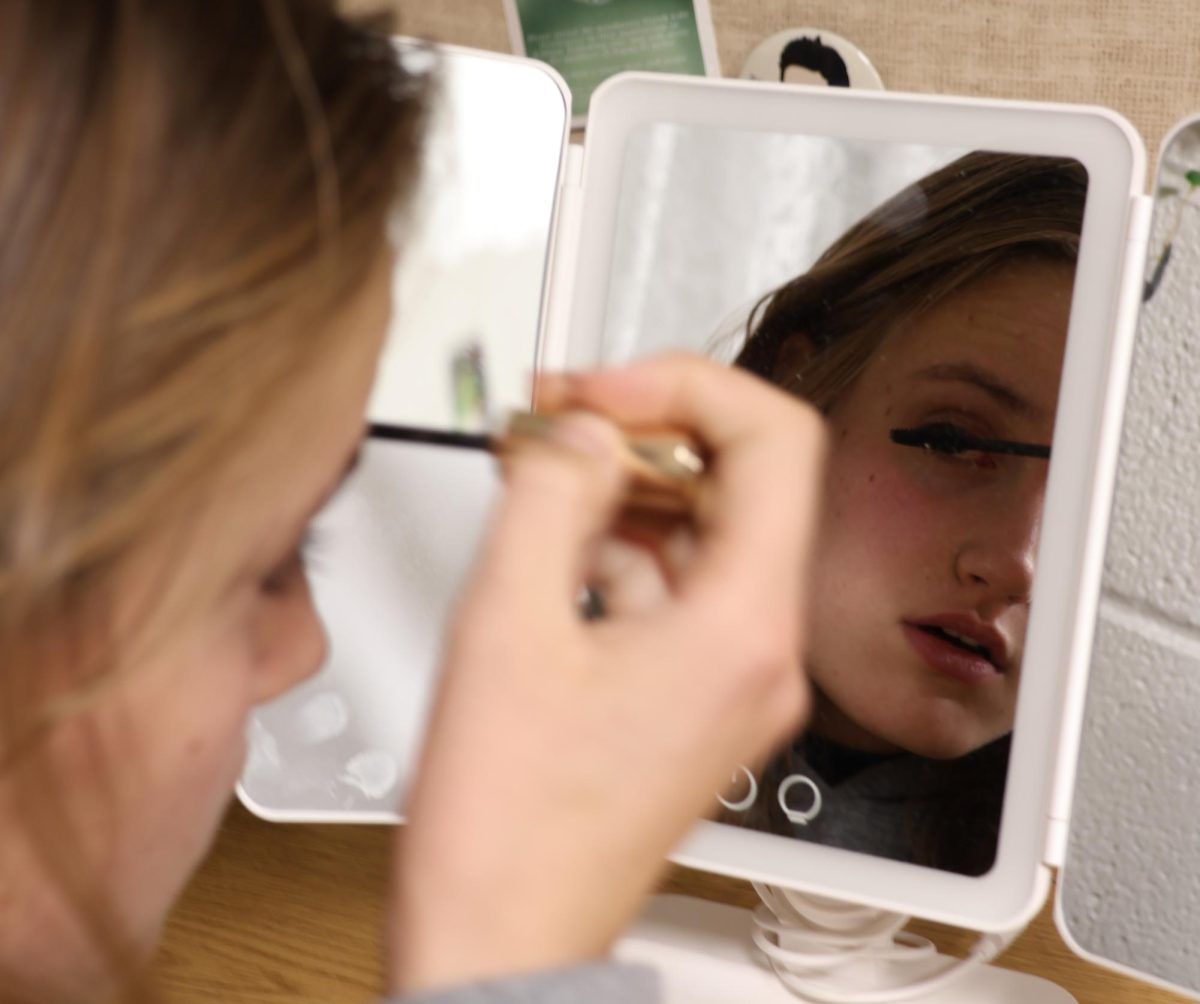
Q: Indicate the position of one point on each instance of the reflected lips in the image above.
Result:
(959, 647)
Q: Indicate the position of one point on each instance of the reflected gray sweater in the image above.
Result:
(597, 983)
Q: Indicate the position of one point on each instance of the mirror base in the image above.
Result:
(703, 954)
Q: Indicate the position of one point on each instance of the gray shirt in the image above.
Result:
(938, 813)
(596, 983)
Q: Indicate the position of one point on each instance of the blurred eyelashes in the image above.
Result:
(953, 440)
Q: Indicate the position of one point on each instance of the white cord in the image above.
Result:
(832, 952)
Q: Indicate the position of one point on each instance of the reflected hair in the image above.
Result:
(190, 191)
(960, 223)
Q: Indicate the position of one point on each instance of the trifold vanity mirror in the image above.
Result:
(956, 284)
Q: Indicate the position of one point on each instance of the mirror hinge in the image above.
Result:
(1056, 843)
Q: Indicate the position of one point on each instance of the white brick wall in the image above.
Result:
(1132, 883)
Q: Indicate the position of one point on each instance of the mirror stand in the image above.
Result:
(704, 953)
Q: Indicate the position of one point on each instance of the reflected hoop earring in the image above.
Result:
(744, 803)
(795, 815)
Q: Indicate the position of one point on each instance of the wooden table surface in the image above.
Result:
(293, 913)
(288, 914)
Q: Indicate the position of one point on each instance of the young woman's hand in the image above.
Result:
(566, 758)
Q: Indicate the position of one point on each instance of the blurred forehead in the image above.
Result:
(302, 450)
(1003, 335)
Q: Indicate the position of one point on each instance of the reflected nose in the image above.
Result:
(997, 556)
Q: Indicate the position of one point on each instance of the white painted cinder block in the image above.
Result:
(1131, 888)
(1154, 540)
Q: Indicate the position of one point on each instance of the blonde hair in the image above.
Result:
(189, 191)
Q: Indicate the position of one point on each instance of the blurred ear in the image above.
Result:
(791, 359)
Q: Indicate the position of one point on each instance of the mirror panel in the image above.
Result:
(920, 297)
(384, 568)
(468, 285)
(391, 549)
(771, 204)
(1130, 886)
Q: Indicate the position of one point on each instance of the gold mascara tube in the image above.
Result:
(665, 468)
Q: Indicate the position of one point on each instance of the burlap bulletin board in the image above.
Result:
(1139, 57)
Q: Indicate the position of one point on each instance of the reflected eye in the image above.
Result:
(953, 440)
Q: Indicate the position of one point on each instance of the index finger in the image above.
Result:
(766, 449)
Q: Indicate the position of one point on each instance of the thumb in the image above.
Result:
(562, 492)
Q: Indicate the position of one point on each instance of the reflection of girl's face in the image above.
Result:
(924, 561)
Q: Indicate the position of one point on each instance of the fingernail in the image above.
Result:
(552, 387)
(586, 433)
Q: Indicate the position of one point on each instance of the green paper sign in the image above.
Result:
(588, 41)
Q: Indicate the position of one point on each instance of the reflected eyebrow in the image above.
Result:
(996, 389)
